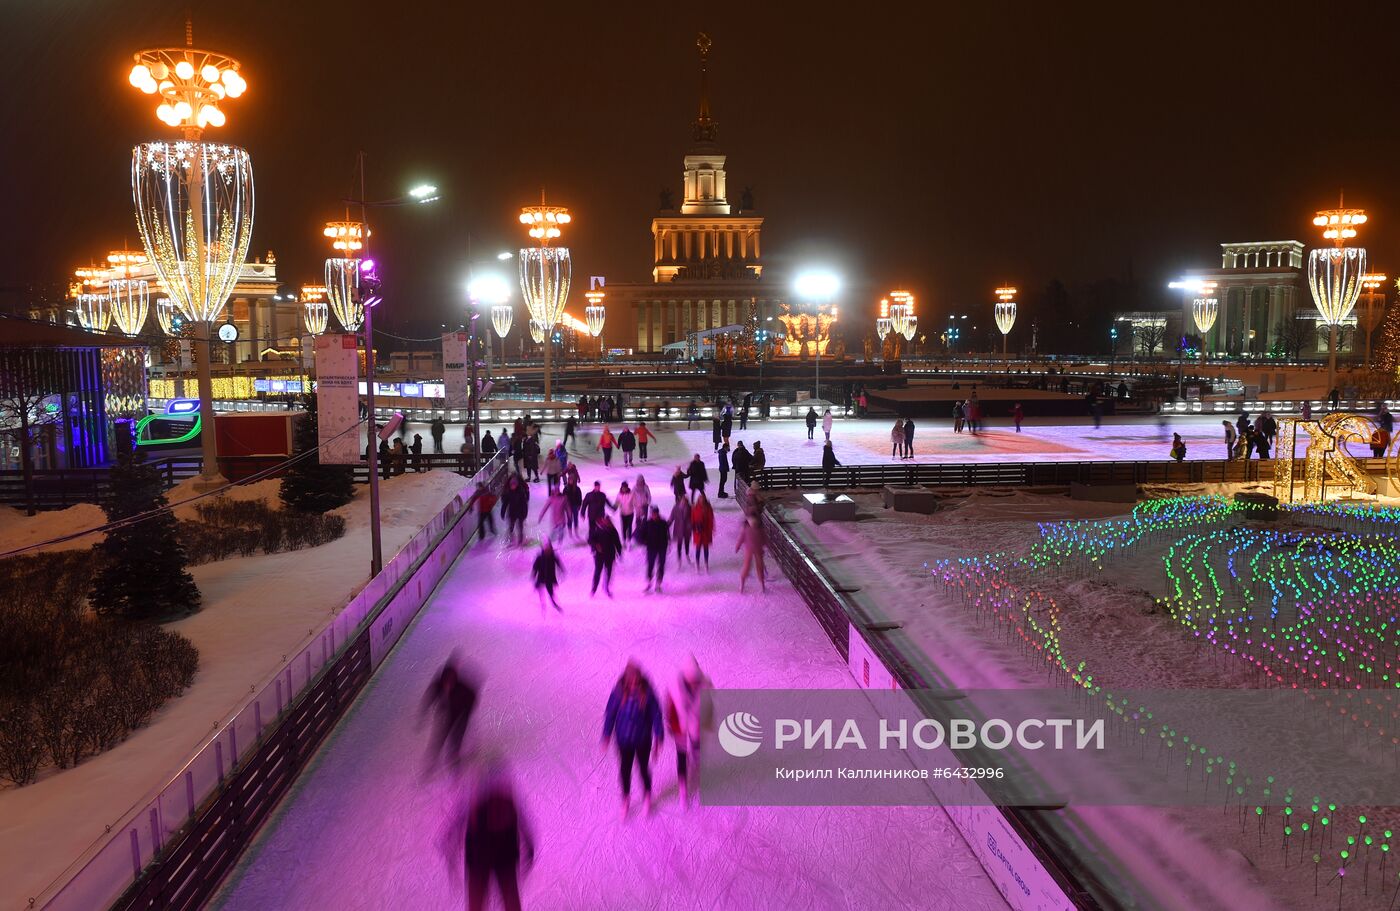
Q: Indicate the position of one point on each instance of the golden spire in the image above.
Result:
(705, 128)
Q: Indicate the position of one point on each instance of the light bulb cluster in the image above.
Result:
(347, 237)
(545, 223)
(191, 83)
(902, 318)
(1339, 225)
(129, 302)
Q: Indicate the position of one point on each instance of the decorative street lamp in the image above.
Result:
(1005, 314)
(1372, 308)
(343, 290)
(347, 237)
(545, 273)
(94, 311)
(883, 322)
(130, 301)
(595, 314)
(1334, 276)
(492, 289)
(313, 302)
(194, 201)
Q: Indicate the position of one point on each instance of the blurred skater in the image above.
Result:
(633, 719)
(752, 539)
(689, 714)
(680, 527)
(654, 533)
(702, 524)
(547, 569)
(452, 697)
(607, 548)
(493, 834)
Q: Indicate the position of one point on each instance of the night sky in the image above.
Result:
(947, 150)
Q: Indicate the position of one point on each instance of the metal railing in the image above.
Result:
(838, 615)
(174, 846)
(1017, 474)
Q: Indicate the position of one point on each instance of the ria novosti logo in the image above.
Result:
(741, 734)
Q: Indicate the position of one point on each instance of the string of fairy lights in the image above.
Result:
(1315, 609)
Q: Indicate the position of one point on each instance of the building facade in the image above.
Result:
(1261, 288)
(707, 268)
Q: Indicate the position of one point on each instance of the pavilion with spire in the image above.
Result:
(706, 256)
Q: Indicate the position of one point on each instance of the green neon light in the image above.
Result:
(141, 426)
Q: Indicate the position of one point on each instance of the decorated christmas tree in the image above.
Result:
(141, 566)
(1386, 351)
(309, 486)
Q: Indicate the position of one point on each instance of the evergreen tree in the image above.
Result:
(141, 573)
(1385, 352)
(309, 486)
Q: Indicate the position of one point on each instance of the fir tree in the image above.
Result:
(141, 573)
(1385, 352)
(309, 486)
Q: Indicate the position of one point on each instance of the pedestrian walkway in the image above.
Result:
(362, 828)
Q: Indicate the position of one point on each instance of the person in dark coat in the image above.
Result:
(595, 505)
(496, 834)
(811, 422)
(532, 457)
(573, 497)
(569, 424)
(740, 460)
(654, 534)
(633, 719)
(627, 442)
(726, 424)
(546, 570)
(744, 411)
(417, 449)
(515, 506)
(488, 446)
(716, 432)
(452, 696)
(909, 438)
(386, 462)
(828, 462)
(723, 468)
(697, 474)
(437, 429)
(760, 458)
(606, 545)
(678, 483)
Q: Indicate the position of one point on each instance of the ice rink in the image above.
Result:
(362, 828)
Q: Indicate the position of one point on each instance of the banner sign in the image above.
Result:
(337, 398)
(455, 370)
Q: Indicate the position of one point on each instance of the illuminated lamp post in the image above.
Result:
(491, 289)
(130, 302)
(1334, 276)
(343, 272)
(595, 314)
(94, 311)
(818, 288)
(316, 312)
(537, 331)
(194, 201)
(1005, 314)
(1372, 307)
(545, 273)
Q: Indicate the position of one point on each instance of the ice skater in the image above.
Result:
(827, 421)
(680, 527)
(484, 501)
(627, 509)
(897, 439)
(515, 506)
(723, 468)
(605, 444)
(811, 422)
(698, 475)
(607, 549)
(829, 461)
(690, 713)
(452, 698)
(1017, 416)
(909, 438)
(495, 836)
(654, 533)
(547, 569)
(633, 719)
(702, 524)
(752, 539)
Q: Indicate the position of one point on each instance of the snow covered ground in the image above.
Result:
(361, 827)
(1167, 857)
(256, 610)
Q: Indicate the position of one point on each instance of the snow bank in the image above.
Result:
(256, 611)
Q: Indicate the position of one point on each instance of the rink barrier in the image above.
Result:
(1020, 854)
(175, 847)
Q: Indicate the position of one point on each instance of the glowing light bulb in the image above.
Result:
(210, 73)
(184, 69)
